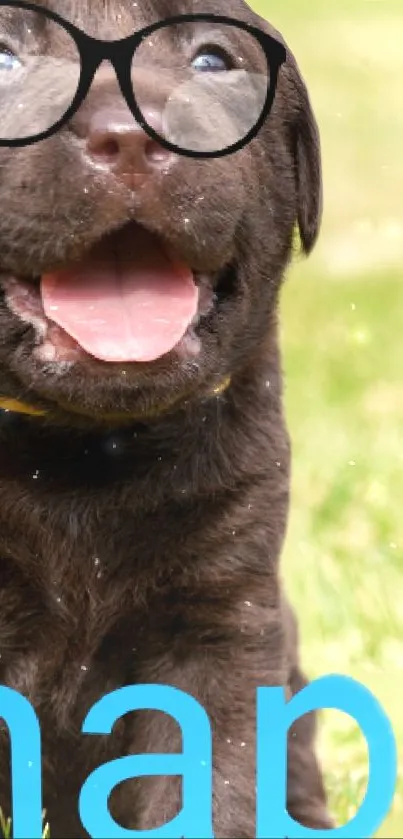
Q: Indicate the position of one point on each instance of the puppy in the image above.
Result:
(144, 473)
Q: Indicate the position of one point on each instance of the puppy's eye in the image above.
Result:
(8, 59)
(211, 60)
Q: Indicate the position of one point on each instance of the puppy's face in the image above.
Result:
(131, 277)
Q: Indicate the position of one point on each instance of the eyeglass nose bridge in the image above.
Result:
(119, 54)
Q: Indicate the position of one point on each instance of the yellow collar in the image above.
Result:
(222, 387)
(14, 406)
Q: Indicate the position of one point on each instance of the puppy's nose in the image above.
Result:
(116, 142)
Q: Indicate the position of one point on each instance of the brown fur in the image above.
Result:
(149, 552)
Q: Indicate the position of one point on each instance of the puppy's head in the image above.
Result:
(133, 277)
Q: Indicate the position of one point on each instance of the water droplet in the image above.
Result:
(112, 445)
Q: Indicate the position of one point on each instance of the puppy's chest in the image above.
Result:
(75, 614)
(65, 652)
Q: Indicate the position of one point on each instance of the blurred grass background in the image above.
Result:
(343, 357)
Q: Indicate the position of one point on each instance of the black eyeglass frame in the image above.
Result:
(92, 51)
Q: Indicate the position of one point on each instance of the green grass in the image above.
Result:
(343, 346)
(6, 831)
(343, 556)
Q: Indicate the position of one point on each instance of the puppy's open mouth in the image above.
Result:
(130, 299)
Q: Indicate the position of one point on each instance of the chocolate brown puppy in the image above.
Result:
(144, 471)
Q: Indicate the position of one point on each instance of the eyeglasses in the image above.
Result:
(211, 79)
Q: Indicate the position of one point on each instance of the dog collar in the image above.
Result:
(15, 406)
(222, 387)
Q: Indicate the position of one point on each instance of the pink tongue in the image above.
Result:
(128, 301)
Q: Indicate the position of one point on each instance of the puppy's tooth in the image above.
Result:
(46, 352)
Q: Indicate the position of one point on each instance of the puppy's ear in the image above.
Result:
(305, 145)
(308, 165)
